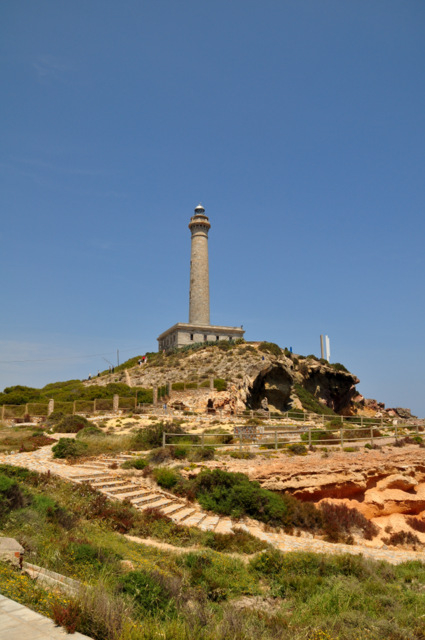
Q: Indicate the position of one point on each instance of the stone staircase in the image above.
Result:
(142, 494)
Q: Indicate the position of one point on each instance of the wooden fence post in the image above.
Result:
(342, 437)
(371, 436)
(240, 442)
(203, 439)
(163, 438)
(275, 439)
(309, 436)
(51, 407)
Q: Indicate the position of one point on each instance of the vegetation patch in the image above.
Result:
(69, 448)
(310, 402)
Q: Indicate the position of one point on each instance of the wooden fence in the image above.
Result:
(254, 439)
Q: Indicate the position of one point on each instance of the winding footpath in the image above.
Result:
(102, 474)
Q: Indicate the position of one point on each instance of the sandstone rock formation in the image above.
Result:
(254, 375)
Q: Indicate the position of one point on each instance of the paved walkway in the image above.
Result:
(18, 622)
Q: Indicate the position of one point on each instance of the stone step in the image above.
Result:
(89, 478)
(176, 506)
(195, 519)
(147, 498)
(107, 482)
(155, 504)
(94, 466)
(210, 523)
(121, 488)
(128, 494)
(181, 515)
(224, 526)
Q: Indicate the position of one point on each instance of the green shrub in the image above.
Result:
(180, 452)
(68, 448)
(166, 478)
(310, 402)
(220, 384)
(319, 435)
(11, 495)
(91, 430)
(270, 347)
(220, 577)
(339, 367)
(71, 424)
(199, 454)
(238, 542)
(235, 495)
(242, 455)
(150, 437)
(136, 463)
(148, 594)
(160, 455)
(297, 449)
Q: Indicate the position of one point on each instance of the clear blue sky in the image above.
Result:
(298, 124)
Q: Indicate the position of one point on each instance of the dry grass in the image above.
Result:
(16, 438)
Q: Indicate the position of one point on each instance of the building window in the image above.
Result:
(205, 337)
(191, 336)
(217, 338)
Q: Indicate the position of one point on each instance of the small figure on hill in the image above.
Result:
(89, 378)
(98, 373)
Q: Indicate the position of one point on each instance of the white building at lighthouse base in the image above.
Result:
(181, 334)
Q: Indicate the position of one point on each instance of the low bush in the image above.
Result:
(11, 495)
(319, 435)
(310, 402)
(68, 448)
(339, 367)
(238, 542)
(339, 521)
(297, 449)
(270, 347)
(67, 615)
(220, 384)
(147, 593)
(199, 454)
(136, 463)
(71, 424)
(166, 478)
(416, 523)
(160, 455)
(242, 455)
(402, 538)
(91, 430)
(180, 452)
(150, 437)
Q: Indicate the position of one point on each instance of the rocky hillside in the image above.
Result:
(257, 375)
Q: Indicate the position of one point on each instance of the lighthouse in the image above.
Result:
(198, 329)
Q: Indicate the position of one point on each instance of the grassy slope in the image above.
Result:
(191, 595)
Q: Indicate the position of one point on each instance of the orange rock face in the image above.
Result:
(387, 486)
